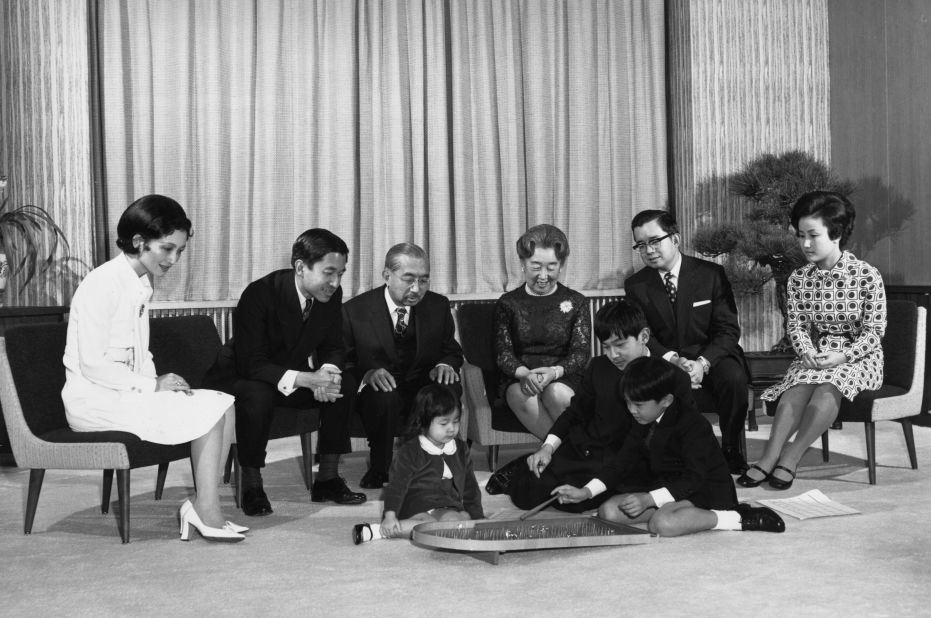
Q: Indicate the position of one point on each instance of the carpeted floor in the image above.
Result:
(300, 561)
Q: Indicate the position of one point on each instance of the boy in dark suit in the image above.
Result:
(670, 471)
(287, 350)
(399, 338)
(693, 323)
(592, 429)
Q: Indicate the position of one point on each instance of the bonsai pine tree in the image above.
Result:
(757, 238)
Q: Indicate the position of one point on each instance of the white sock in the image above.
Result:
(727, 520)
(370, 532)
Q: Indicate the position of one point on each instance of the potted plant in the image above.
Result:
(29, 239)
(757, 240)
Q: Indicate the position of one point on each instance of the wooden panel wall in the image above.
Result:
(881, 129)
(745, 78)
(44, 124)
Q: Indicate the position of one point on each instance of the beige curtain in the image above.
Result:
(452, 124)
(45, 148)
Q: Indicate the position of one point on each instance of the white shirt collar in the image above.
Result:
(675, 268)
(300, 296)
(448, 449)
(393, 308)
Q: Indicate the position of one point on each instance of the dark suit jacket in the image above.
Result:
(683, 456)
(595, 425)
(270, 337)
(369, 339)
(705, 323)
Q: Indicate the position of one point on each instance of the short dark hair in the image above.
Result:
(311, 246)
(151, 217)
(620, 318)
(648, 378)
(662, 217)
(543, 236)
(431, 401)
(409, 249)
(835, 210)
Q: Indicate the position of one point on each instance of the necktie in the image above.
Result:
(401, 327)
(650, 432)
(670, 287)
(307, 305)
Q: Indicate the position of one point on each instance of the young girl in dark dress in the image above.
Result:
(431, 476)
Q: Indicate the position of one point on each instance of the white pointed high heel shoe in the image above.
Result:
(189, 518)
(235, 527)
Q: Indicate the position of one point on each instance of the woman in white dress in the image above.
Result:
(836, 322)
(111, 384)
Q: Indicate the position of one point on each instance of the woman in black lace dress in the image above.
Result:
(543, 333)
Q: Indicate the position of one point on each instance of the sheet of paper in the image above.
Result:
(809, 504)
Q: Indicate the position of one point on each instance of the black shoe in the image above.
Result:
(336, 490)
(255, 503)
(735, 461)
(500, 481)
(779, 483)
(373, 480)
(760, 519)
(747, 481)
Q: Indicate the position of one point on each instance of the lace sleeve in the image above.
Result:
(580, 342)
(504, 345)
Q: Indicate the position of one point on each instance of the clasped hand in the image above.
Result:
(172, 382)
(535, 380)
(325, 383)
(693, 368)
(823, 360)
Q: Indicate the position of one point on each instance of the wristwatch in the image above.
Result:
(705, 365)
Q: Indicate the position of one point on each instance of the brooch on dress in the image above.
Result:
(565, 306)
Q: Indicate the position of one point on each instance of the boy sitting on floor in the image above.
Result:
(671, 472)
(592, 429)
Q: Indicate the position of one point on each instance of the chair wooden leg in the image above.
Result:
(122, 491)
(825, 451)
(105, 493)
(492, 457)
(32, 498)
(870, 428)
(307, 451)
(910, 442)
(228, 468)
(160, 480)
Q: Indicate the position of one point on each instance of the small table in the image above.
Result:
(766, 369)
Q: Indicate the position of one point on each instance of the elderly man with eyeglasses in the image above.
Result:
(693, 322)
(399, 338)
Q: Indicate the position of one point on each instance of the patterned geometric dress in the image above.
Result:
(842, 309)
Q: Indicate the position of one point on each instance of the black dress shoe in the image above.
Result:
(500, 481)
(760, 519)
(255, 503)
(735, 461)
(335, 490)
(373, 480)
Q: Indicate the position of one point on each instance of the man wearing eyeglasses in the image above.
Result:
(399, 338)
(693, 322)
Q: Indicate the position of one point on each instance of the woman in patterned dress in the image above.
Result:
(836, 321)
(543, 333)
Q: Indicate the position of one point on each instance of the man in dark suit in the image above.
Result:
(287, 350)
(693, 322)
(399, 337)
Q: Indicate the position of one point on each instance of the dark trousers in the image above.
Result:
(726, 384)
(384, 415)
(527, 491)
(255, 401)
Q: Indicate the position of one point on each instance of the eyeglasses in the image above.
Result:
(653, 243)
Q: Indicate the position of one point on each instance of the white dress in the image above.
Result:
(109, 373)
